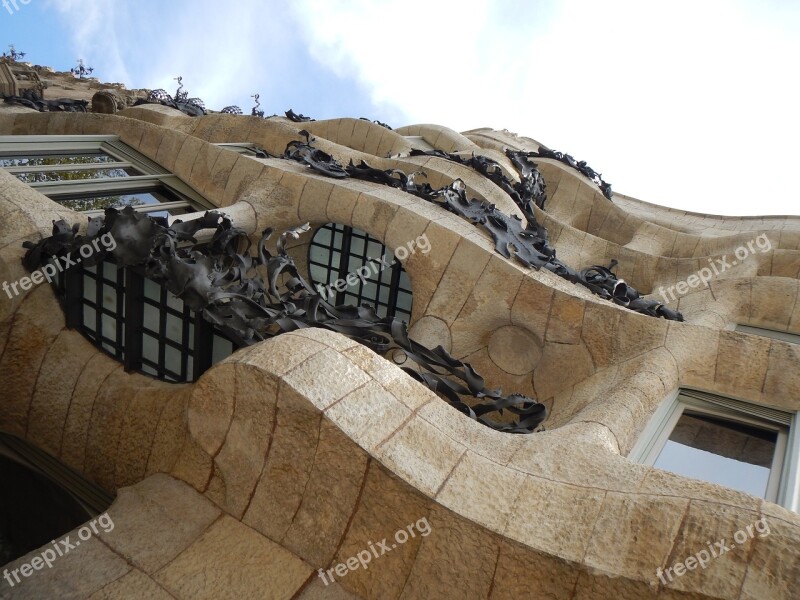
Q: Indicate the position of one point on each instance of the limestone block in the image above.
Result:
(230, 560)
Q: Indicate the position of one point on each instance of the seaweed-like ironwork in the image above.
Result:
(30, 99)
(381, 123)
(297, 118)
(531, 189)
(225, 285)
(194, 107)
(578, 165)
(13, 55)
(81, 70)
(527, 242)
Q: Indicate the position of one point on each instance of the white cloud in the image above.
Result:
(687, 104)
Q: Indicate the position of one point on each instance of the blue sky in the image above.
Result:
(686, 104)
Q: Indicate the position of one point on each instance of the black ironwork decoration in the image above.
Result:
(527, 243)
(301, 118)
(530, 190)
(81, 70)
(579, 166)
(13, 55)
(31, 99)
(232, 110)
(381, 123)
(256, 110)
(194, 107)
(226, 286)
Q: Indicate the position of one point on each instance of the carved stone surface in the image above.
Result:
(527, 243)
(225, 286)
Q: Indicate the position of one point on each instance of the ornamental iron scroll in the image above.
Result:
(30, 99)
(527, 243)
(579, 166)
(225, 285)
(194, 107)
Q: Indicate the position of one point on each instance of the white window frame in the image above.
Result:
(783, 336)
(154, 176)
(784, 483)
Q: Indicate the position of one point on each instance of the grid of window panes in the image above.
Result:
(92, 173)
(173, 342)
(103, 314)
(167, 335)
(337, 251)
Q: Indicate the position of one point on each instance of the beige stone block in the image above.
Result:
(641, 529)
(241, 458)
(330, 496)
(742, 362)
(280, 354)
(387, 505)
(317, 590)
(230, 560)
(456, 560)
(61, 367)
(155, 520)
(169, 149)
(523, 573)
(80, 572)
(552, 375)
(314, 200)
(214, 188)
(341, 204)
(782, 383)
(170, 435)
(138, 430)
(566, 319)
(704, 524)
(368, 415)
(134, 584)
(193, 465)
(482, 490)
(422, 455)
(288, 466)
(325, 378)
(772, 570)
(457, 282)
(211, 406)
(79, 417)
(555, 518)
(532, 306)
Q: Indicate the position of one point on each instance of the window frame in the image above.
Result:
(783, 336)
(154, 177)
(398, 277)
(783, 487)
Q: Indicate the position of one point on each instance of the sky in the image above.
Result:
(687, 104)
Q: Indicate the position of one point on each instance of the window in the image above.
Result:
(338, 251)
(94, 172)
(784, 336)
(743, 446)
(140, 323)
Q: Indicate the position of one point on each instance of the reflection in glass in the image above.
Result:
(717, 450)
(55, 159)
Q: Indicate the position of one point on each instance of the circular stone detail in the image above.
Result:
(514, 350)
(431, 332)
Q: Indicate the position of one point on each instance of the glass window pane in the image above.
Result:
(109, 325)
(55, 159)
(90, 289)
(221, 349)
(172, 359)
(150, 348)
(151, 317)
(77, 175)
(152, 290)
(174, 329)
(720, 451)
(89, 318)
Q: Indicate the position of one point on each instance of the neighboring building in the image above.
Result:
(258, 472)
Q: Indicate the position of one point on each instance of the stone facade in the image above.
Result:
(297, 453)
